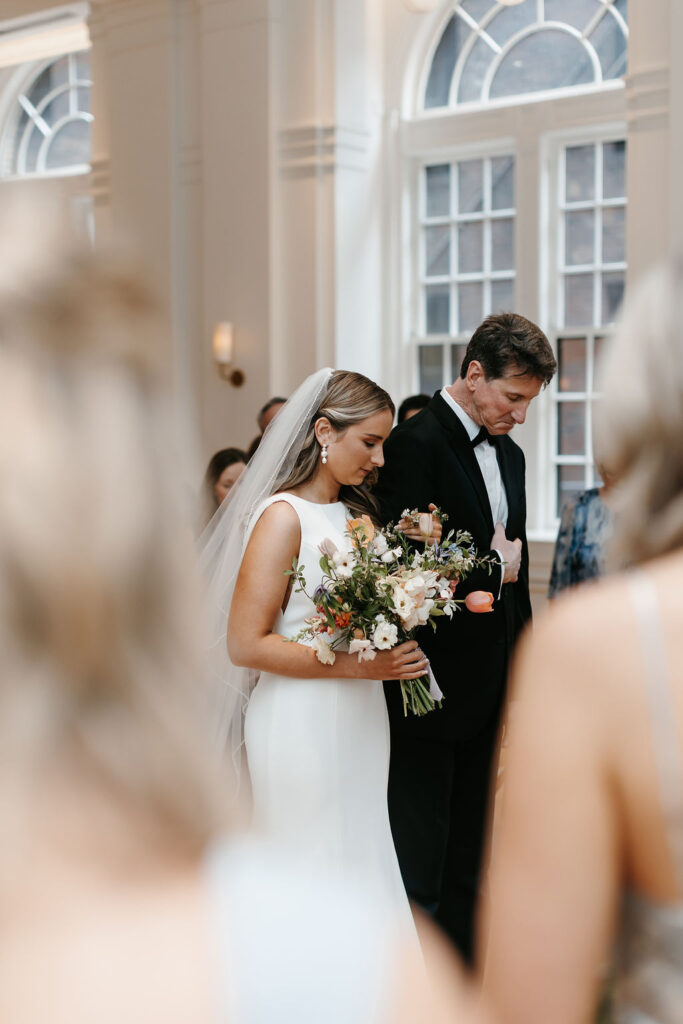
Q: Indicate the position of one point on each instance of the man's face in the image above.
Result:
(500, 404)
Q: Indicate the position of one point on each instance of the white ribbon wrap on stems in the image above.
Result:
(434, 688)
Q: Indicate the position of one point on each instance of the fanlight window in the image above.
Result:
(50, 132)
(488, 51)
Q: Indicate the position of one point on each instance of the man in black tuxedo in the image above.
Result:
(456, 453)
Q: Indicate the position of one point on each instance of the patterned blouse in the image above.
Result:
(584, 529)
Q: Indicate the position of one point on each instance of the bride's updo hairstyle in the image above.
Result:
(640, 419)
(350, 398)
(98, 635)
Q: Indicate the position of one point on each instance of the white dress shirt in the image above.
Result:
(490, 470)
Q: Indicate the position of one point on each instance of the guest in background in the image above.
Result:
(268, 413)
(584, 530)
(588, 857)
(125, 893)
(411, 405)
(223, 471)
(265, 417)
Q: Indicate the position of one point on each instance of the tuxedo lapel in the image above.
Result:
(510, 481)
(461, 445)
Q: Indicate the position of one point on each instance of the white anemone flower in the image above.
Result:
(379, 544)
(403, 603)
(363, 648)
(385, 635)
(323, 651)
(344, 563)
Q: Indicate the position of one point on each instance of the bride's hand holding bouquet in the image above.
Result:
(379, 590)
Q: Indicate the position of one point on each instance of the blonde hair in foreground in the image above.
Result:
(640, 419)
(98, 661)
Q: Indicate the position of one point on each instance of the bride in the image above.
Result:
(316, 735)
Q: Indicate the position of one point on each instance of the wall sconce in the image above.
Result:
(224, 353)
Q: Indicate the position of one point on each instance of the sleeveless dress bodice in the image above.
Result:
(649, 953)
(318, 749)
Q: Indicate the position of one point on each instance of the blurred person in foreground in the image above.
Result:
(124, 893)
(222, 473)
(411, 406)
(588, 858)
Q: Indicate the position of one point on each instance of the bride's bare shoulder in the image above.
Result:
(278, 520)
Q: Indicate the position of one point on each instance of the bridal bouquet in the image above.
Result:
(374, 595)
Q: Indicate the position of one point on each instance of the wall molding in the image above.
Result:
(309, 149)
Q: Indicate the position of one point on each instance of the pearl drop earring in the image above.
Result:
(324, 454)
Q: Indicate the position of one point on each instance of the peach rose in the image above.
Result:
(479, 601)
(362, 530)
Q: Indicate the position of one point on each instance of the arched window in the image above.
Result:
(48, 132)
(516, 155)
(492, 52)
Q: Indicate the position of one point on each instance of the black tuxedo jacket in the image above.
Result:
(429, 458)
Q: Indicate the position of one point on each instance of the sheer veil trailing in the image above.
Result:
(222, 547)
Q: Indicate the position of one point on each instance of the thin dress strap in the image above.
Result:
(662, 714)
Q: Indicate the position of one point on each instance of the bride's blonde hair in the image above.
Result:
(98, 638)
(349, 399)
(640, 419)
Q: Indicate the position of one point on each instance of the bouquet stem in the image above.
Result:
(416, 697)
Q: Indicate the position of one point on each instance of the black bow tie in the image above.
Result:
(483, 435)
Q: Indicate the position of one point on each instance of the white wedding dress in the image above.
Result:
(318, 749)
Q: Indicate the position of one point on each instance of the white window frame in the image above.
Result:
(525, 130)
(552, 289)
(485, 151)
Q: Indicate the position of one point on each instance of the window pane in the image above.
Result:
(502, 296)
(577, 13)
(431, 368)
(570, 482)
(502, 183)
(503, 244)
(579, 237)
(578, 300)
(56, 109)
(35, 142)
(476, 8)
(511, 20)
(474, 72)
(548, 59)
(470, 297)
(438, 307)
(470, 186)
(70, 146)
(457, 356)
(614, 170)
(613, 235)
(571, 374)
(610, 43)
(82, 66)
(599, 350)
(571, 428)
(612, 295)
(438, 190)
(437, 251)
(580, 173)
(445, 57)
(470, 247)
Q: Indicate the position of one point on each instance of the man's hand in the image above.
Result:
(511, 551)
